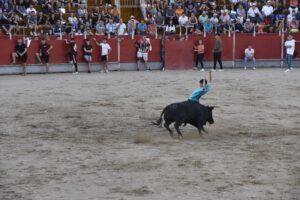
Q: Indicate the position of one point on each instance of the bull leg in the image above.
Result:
(177, 124)
(166, 125)
(200, 129)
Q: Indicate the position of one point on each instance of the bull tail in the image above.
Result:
(159, 121)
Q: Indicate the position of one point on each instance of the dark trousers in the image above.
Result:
(199, 59)
(217, 57)
(74, 60)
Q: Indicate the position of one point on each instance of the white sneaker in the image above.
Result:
(288, 70)
(292, 68)
(75, 73)
(106, 71)
(221, 70)
(202, 70)
(245, 68)
(102, 71)
(213, 70)
(254, 68)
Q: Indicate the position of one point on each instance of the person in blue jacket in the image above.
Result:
(204, 88)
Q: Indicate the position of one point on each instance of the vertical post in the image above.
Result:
(60, 34)
(204, 30)
(254, 32)
(186, 32)
(233, 50)
(132, 34)
(156, 32)
(180, 31)
(119, 53)
(282, 46)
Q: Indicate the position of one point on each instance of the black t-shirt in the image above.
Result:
(20, 48)
(87, 47)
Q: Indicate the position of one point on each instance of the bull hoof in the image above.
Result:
(180, 137)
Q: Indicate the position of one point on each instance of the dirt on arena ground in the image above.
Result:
(89, 136)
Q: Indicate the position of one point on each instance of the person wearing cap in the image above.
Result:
(254, 13)
(267, 12)
(105, 51)
(72, 53)
(218, 53)
(204, 88)
(290, 49)
(44, 53)
(249, 55)
(87, 53)
(248, 26)
(215, 21)
(131, 26)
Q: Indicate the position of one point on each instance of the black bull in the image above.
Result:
(187, 112)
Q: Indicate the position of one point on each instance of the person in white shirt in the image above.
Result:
(183, 20)
(121, 27)
(249, 55)
(267, 11)
(254, 13)
(291, 9)
(104, 53)
(290, 48)
(30, 9)
(170, 28)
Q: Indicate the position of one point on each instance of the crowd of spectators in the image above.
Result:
(75, 17)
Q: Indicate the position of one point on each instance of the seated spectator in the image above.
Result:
(179, 11)
(82, 11)
(279, 8)
(293, 26)
(85, 18)
(291, 9)
(291, 16)
(293, 3)
(297, 15)
(114, 12)
(160, 22)
(248, 26)
(261, 26)
(249, 55)
(100, 28)
(32, 23)
(7, 10)
(142, 28)
(254, 14)
(240, 13)
(58, 28)
(62, 10)
(131, 25)
(189, 7)
(232, 15)
(52, 20)
(239, 26)
(279, 21)
(46, 7)
(30, 9)
(73, 20)
(20, 8)
(193, 23)
(215, 21)
(27, 4)
(170, 28)
(95, 16)
(121, 28)
(197, 5)
(183, 20)
(203, 18)
(111, 27)
(208, 26)
(152, 28)
(88, 29)
(228, 27)
(170, 14)
(42, 20)
(267, 13)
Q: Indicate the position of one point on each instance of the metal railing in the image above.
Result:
(129, 3)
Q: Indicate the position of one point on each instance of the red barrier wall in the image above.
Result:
(178, 54)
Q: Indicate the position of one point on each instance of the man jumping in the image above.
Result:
(204, 88)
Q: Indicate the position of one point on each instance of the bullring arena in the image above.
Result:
(89, 136)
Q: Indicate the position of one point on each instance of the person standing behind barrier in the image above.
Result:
(200, 55)
(105, 50)
(163, 54)
(290, 48)
(20, 53)
(87, 53)
(44, 53)
(143, 48)
(249, 55)
(218, 53)
(73, 53)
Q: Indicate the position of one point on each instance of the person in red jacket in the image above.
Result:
(44, 53)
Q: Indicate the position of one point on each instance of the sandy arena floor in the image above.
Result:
(84, 137)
